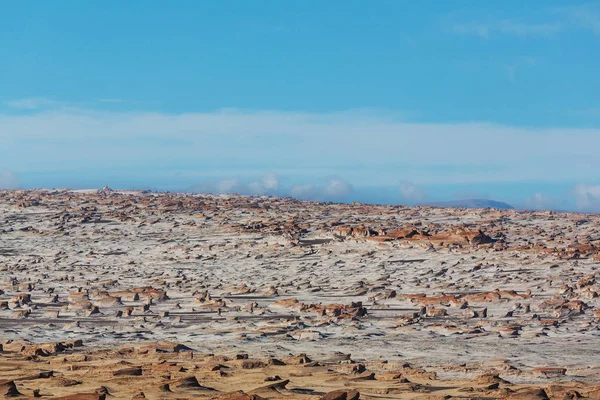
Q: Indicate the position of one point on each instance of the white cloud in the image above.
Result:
(411, 193)
(33, 103)
(587, 197)
(522, 62)
(330, 189)
(528, 29)
(507, 27)
(336, 188)
(551, 21)
(229, 186)
(267, 185)
(481, 30)
(112, 101)
(225, 186)
(306, 191)
(245, 144)
(584, 16)
(592, 112)
(540, 201)
(333, 189)
(8, 180)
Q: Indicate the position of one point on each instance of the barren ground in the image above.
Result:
(189, 296)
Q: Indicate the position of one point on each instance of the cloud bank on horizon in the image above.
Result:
(372, 148)
(8, 180)
(249, 152)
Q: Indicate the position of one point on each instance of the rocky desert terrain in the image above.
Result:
(129, 295)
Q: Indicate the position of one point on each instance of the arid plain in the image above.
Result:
(107, 294)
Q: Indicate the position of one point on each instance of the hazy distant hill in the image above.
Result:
(472, 203)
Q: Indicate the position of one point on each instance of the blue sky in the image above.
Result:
(382, 101)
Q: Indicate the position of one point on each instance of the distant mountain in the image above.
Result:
(472, 203)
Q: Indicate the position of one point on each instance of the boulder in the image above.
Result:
(342, 395)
